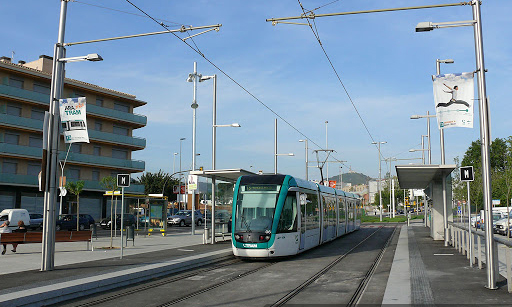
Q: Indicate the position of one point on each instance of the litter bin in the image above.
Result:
(130, 234)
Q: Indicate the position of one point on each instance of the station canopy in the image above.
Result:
(228, 175)
(419, 176)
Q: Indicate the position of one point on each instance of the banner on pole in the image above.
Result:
(454, 95)
(192, 184)
(73, 119)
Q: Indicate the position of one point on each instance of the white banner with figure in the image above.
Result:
(454, 95)
(73, 119)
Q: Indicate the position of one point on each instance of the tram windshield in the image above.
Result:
(255, 207)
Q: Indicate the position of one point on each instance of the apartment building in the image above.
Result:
(24, 97)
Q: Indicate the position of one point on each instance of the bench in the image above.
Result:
(37, 237)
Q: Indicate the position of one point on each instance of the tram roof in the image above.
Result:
(419, 176)
(228, 175)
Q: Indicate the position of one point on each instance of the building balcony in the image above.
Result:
(24, 123)
(73, 158)
(31, 181)
(17, 93)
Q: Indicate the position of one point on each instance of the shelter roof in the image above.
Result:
(419, 176)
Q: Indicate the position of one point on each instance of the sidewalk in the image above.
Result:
(426, 272)
(81, 272)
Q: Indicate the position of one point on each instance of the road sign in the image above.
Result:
(123, 180)
(466, 173)
(63, 191)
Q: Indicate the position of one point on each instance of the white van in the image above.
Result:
(13, 216)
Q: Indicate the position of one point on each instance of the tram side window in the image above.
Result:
(325, 207)
(288, 218)
(332, 210)
(312, 212)
(341, 209)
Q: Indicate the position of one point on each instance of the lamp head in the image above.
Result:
(448, 61)
(412, 150)
(190, 78)
(424, 26)
(237, 125)
(302, 141)
(182, 139)
(94, 57)
(415, 116)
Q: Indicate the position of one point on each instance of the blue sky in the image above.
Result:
(385, 66)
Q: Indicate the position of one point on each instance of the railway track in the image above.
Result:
(362, 286)
(264, 265)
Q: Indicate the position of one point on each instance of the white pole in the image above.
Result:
(214, 149)
(470, 248)
(194, 107)
(393, 193)
(122, 219)
(275, 146)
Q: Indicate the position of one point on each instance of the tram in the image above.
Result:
(280, 215)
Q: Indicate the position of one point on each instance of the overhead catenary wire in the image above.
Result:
(229, 77)
(337, 75)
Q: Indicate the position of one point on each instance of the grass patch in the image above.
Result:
(398, 219)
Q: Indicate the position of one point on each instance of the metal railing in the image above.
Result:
(463, 241)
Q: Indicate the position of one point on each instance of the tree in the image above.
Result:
(156, 183)
(76, 188)
(110, 184)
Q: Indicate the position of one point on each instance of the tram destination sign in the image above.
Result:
(466, 173)
(261, 188)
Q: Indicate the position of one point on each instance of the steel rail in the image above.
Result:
(164, 280)
(320, 273)
(354, 300)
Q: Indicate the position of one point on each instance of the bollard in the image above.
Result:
(464, 245)
(93, 229)
(478, 242)
(509, 274)
(471, 250)
(130, 235)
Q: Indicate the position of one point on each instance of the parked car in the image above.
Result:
(184, 217)
(128, 220)
(221, 216)
(501, 226)
(68, 222)
(36, 221)
(15, 215)
(89, 218)
(496, 216)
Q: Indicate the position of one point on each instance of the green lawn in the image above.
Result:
(398, 219)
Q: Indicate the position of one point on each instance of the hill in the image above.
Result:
(353, 178)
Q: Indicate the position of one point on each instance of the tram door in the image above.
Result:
(302, 206)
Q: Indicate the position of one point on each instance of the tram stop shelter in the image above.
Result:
(430, 178)
(227, 175)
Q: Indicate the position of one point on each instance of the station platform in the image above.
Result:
(425, 272)
(420, 271)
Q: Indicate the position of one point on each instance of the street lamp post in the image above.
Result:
(485, 136)
(326, 147)
(214, 144)
(378, 183)
(179, 193)
(306, 151)
(194, 78)
(275, 148)
(51, 142)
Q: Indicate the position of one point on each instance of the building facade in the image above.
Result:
(24, 98)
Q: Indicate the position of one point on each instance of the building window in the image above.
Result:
(121, 130)
(35, 141)
(9, 167)
(78, 94)
(97, 151)
(42, 88)
(73, 173)
(96, 175)
(76, 148)
(37, 114)
(12, 138)
(33, 169)
(118, 106)
(98, 125)
(119, 153)
(15, 82)
(99, 102)
(13, 109)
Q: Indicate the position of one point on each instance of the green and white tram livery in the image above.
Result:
(279, 215)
